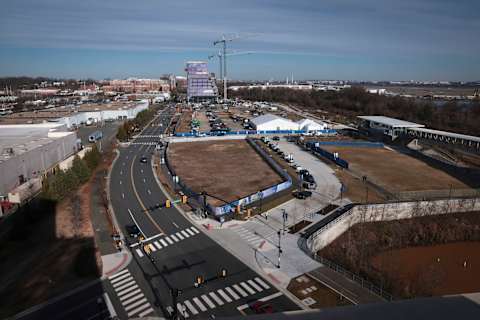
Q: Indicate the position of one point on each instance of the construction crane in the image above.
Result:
(224, 41)
(220, 55)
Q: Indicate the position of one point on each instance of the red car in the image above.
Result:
(261, 307)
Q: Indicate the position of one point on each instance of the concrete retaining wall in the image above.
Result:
(387, 212)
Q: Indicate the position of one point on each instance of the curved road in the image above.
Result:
(180, 251)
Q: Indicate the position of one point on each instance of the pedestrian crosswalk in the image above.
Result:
(248, 236)
(149, 136)
(130, 295)
(165, 241)
(217, 298)
(147, 143)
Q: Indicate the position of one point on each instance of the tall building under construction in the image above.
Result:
(200, 84)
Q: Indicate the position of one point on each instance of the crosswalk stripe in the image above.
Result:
(125, 285)
(255, 286)
(139, 252)
(123, 281)
(120, 278)
(158, 245)
(240, 290)
(128, 295)
(190, 232)
(169, 240)
(255, 242)
(185, 234)
(246, 287)
(152, 247)
(174, 238)
(146, 312)
(138, 296)
(133, 305)
(194, 230)
(262, 283)
(232, 293)
(118, 274)
(164, 242)
(208, 301)
(181, 310)
(137, 310)
(216, 298)
(224, 295)
(121, 293)
(190, 307)
(179, 235)
(199, 304)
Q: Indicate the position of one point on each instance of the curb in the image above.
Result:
(257, 268)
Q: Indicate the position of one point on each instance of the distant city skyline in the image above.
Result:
(423, 40)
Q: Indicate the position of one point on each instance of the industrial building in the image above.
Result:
(76, 115)
(28, 152)
(390, 127)
(200, 84)
(310, 125)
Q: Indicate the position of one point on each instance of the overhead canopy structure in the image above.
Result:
(273, 122)
(310, 125)
(391, 122)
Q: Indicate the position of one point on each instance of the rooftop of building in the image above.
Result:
(448, 134)
(392, 122)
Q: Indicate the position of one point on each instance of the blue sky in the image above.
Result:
(318, 39)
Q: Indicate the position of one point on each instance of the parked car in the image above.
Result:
(276, 138)
(143, 159)
(302, 194)
(133, 230)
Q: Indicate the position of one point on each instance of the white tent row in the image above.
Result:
(274, 122)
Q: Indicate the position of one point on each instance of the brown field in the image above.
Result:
(204, 125)
(185, 122)
(394, 171)
(228, 169)
(434, 270)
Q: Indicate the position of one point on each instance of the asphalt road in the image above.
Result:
(180, 251)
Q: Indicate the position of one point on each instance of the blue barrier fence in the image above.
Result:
(251, 132)
(324, 153)
(351, 144)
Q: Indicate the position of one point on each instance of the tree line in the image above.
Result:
(129, 127)
(58, 186)
(351, 102)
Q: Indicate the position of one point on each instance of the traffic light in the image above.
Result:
(184, 199)
(168, 203)
(223, 273)
(199, 280)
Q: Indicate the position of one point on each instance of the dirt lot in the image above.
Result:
(200, 116)
(438, 270)
(185, 122)
(394, 171)
(228, 169)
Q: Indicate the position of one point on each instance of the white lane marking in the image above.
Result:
(190, 307)
(113, 281)
(174, 238)
(181, 310)
(208, 301)
(144, 180)
(137, 310)
(179, 235)
(194, 230)
(120, 181)
(133, 305)
(122, 282)
(199, 304)
(141, 170)
(255, 286)
(216, 298)
(138, 296)
(270, 297)
(224, 295)
(190, 232)
(152, 247)
(148, 191)
(139, 252)
(146, 312)
(262, 283)
(123, 163)
(176, 225)
(121, 293)
(113, 276)
(158, 245)
(240, 290)
(123, 195)
(164, 242)
(246, 287)
(232, 293)
(128, 295)
(126, 285)
(185, 234)
(121, 172)
(169, 240)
